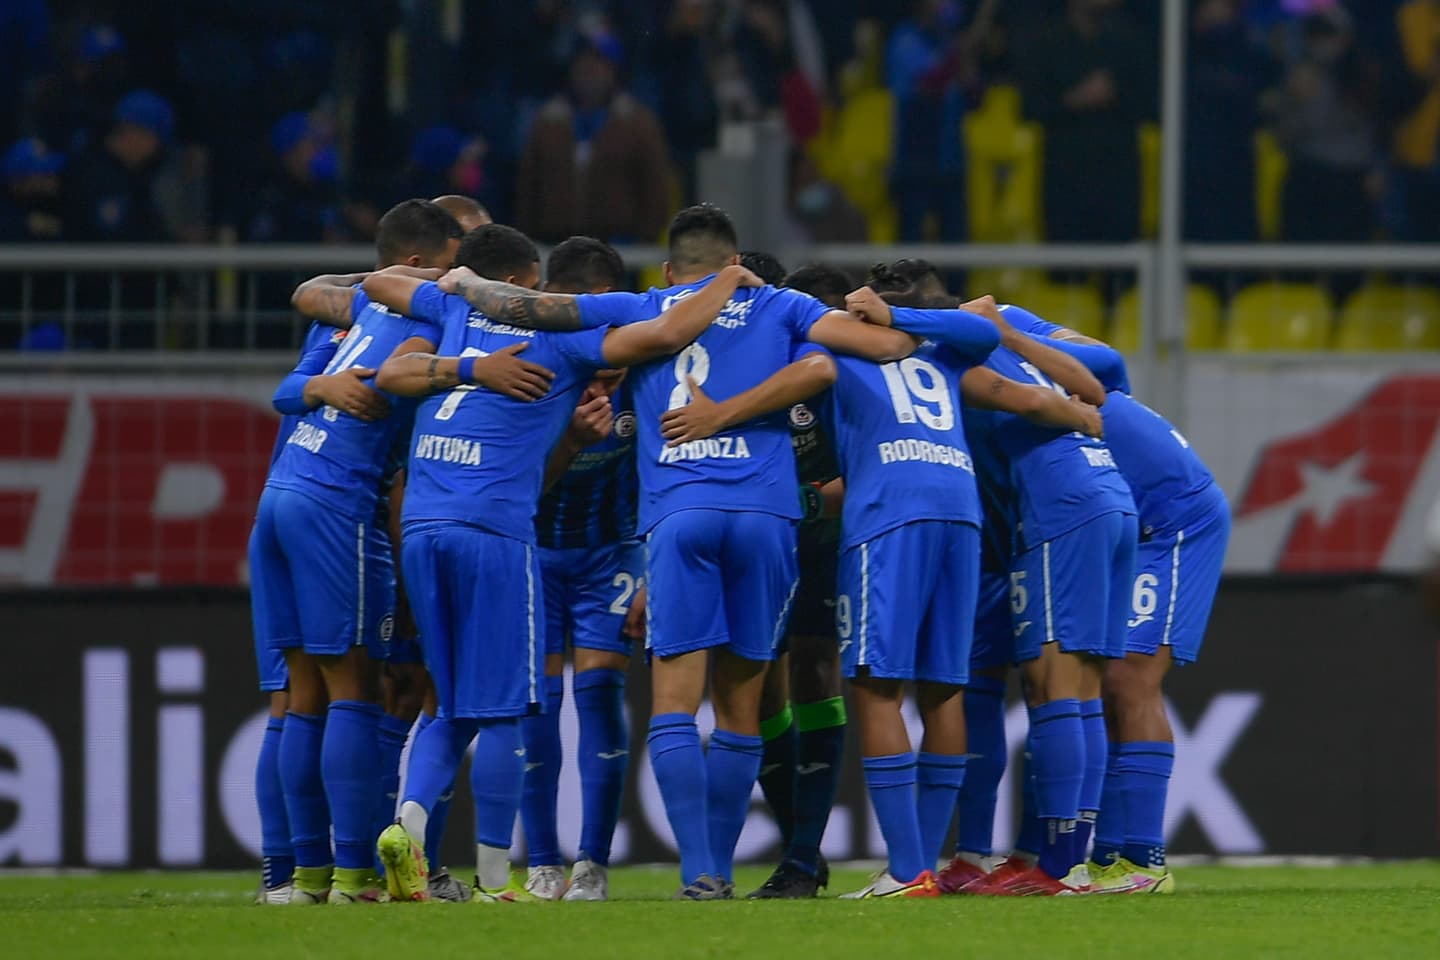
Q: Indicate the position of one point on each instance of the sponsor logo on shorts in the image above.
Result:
(387, 628)
(1020, 628)
(801, 417)
(625, 425)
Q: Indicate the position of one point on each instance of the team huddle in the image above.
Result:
(767, 482)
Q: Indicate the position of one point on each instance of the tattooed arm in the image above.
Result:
(419, 374)
(328, 299)
(518, 306)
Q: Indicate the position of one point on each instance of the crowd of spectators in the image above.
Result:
(300, 120)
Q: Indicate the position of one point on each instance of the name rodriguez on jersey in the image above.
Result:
(924, 451)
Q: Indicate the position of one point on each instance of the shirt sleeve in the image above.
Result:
(358, 303)
(1105, 362)
(800, 310)
(321, 344)
(1026, 322)
(428, 303)
(613, 309)
(968, 334)
(585, 349)
(804, 348)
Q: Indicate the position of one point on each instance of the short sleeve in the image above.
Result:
(613, 309)
(800, 310)
(358, 303)
(585, 349)
(801, 349)
(1026, 322)
(428, 303)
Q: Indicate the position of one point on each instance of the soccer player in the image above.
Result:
(470, 213)
(1184, 528)
(719, 520)
(592, 566)
(1074, 530)
(476, 469)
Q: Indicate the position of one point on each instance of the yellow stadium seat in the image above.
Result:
(863, 147)
(1390, 318)
(1280, 316)
(1202, 320)
(1271, 169)
(1005, 284)
(1070, 305)
(1003, 170)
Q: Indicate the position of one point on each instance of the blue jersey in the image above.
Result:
(593, 504)
(1165, 475)
(1059, 480)
(901, 442)
(750, 467)
(478, 457)
(338, 459)
(316, 352)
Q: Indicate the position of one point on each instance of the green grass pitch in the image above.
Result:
(1381, 910)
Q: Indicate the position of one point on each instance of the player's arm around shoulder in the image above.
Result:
(395, 287)
(414, 370)
(328, 299)
(984, 388)
(703, 417)
(866, 334)
(678, 326)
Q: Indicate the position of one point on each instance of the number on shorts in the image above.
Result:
(907, 386)
(626, 583)
(693, 362)
(1144, 601)
(1019, 596)
(453, 398)
(844, 626)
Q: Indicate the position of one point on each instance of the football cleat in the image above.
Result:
(1146, 879)
(1033, 882)
(790, 881)
(447, 888)
(588, 881)
(885, 887)
(1109, 878)
(512, 892)
(822, 871)
(546, 883)
(370, 893)
(407, 874)
(706, 887)
(961, 876)
(274, 896)
(310, 885)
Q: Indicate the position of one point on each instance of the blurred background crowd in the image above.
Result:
(1307, 120)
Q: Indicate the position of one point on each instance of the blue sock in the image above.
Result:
(543, 757)
(731, 764)
(434, 759)
(891, 782)
(350, 764)
(985, 728)
(604, 755)
(1057, 743)
(305, 804)
(277, 855)
(679, 766)
(496, 774)
(1032, 829)
(1144, 769)
(817, 776)
(1097, 750)
(777, 769)
(392, 733)
(1110, 825)
(439, 811)
(939, 777)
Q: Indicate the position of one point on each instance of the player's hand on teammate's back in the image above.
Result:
(746, 277)
(593, 420)
(1094, 421)
(347, 392)
(866, 304)
(635, 617)
(698, 419)
(504, 372)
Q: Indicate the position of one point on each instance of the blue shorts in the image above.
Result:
(478, 601)
(906, 603)
(380, 603)
(1176, 576)
(719, 578)
(1075, 590)
(994, 641)
(269, 661)
(587, 594)
(311, 582)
